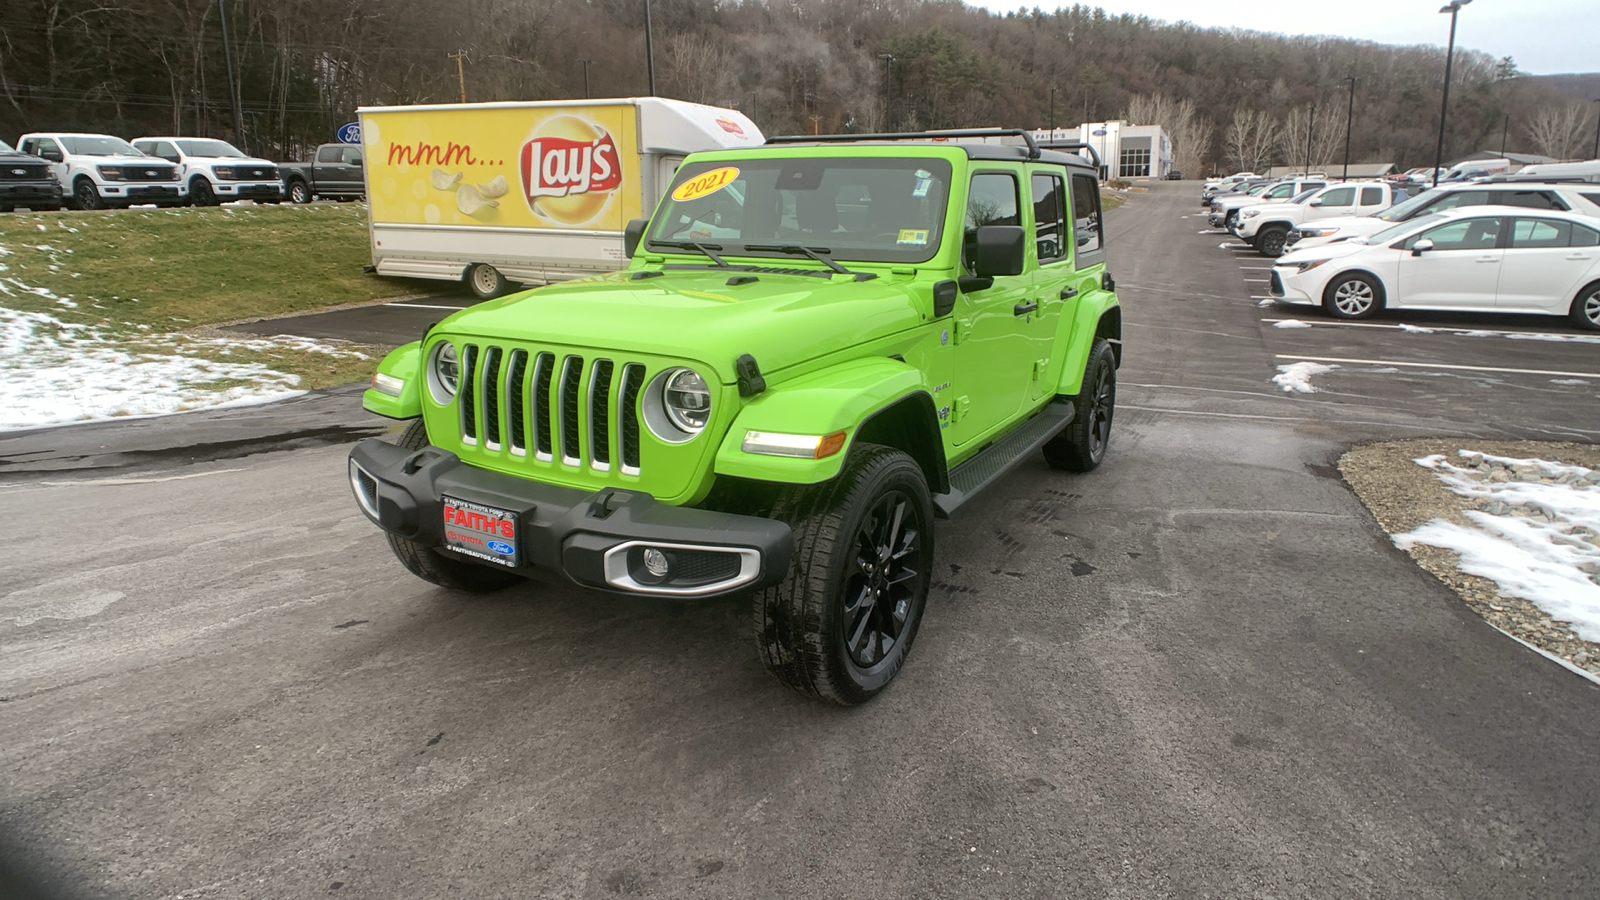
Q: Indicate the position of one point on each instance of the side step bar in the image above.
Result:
(995, 460)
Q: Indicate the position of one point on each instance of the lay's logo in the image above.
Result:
(569, 169)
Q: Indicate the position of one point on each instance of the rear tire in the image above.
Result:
(431, 565)
(1352, 295)
(486, 281)
(840, 626)
(299, 192)
(1585, 311)
(1082, 445)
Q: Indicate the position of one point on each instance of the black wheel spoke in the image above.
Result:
(882, 584)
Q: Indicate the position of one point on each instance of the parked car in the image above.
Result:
(762, 417)
(1477, 169)
(216, 171)
(1580, 198)
(98, 171)
(26, 181)
(1267, 227)
(1174, 175)
(1225, 208)
(1474, 259)
(334, 173)
(1213, 186)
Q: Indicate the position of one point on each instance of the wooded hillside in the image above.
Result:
(133, 67)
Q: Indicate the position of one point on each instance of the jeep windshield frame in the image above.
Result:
(865, 209)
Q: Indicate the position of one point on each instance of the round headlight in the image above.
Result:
(687, 399)
(444, 372)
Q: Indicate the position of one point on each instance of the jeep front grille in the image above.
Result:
(548, 406)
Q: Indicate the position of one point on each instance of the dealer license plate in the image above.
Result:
(482, 532)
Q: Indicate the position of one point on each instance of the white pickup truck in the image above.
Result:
(1225, 208)
(1267, 227)
(98, 171)
(216, 171)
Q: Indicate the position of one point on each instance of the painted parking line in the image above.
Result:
(1421, 365)
(1257, 268)
(1441, 329)
(422, 306)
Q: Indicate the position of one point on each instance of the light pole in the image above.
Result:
(1052, 123)
(585, 64)
(233, 81)
(1452, 8)
(1505, 132)
(1597, 130)
(650, 52)
(1311, 123)
(888, 90)
(1349, 122)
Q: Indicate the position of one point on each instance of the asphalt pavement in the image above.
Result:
(1200, 671)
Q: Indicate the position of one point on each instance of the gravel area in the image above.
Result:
(1402, 495)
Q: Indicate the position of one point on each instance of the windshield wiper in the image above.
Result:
(702, 249)
(817, 253)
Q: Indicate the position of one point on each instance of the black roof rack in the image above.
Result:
(1074, 146)
(1027, 137)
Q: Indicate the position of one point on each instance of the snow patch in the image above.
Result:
(1537, 534)
(1556, 338)
(1296, 377)
(1291, 323)
(1415, 329)
(1568, 381)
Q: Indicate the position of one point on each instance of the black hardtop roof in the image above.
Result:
(1058, 153)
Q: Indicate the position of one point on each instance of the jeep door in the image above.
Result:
(992, 345)
(1055, 283)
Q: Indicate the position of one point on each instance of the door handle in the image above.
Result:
(1023, 309)
(1069, 293)
(1578, 256)
(1487, 259)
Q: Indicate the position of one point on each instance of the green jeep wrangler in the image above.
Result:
(820, 345)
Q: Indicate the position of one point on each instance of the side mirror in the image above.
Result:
(632, 235)
(1421, 246)
(357, 162)
(1317, 202)
(1001, 250)
(51, 154)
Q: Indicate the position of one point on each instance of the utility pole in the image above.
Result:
(1052, 123)
(1349, 122)
(461, 73)
(1311, 121)
(649, 49)
(1452, 8)
(1597, 130)
(585, 63)
(233, 78)
(888, 90)
(1505, 132)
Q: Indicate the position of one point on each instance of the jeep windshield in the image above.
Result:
(210, 148)
(864, 209)
(80, 145)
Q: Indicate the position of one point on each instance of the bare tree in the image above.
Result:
(1317, 140)
(1558, 131)
(1251, 139)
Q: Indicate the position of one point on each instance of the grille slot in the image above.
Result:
(543, 372)
(516, 394)
(468, 399)
(571, 442)
(628, 413)
(600, 414)
(491, 397)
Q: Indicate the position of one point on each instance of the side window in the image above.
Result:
(329, 154)
(1532, 199)
(1049, 216)
(165, 150)
(1371, 196)
(352, 156)
(1312, 186)
(1085, 215)
(1282, 190)
(1456, 199)
(1339, 197)
(1585, 237)
(1592, 198)
(1463, 234)
(992, 201)
(1534, 234)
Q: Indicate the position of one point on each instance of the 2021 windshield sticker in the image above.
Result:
(706, 184)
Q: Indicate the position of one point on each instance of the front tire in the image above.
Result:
(431, 565)
(1585, 311)
(202, 194)
(1353, 295)
(299, 192)
(1271, 240)
(85, 195)
(840, 626)
(1082, 444)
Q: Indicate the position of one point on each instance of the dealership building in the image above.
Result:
(1126, 151)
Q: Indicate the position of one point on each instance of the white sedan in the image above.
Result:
(1474, 259)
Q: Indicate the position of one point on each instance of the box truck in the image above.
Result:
(502, 194)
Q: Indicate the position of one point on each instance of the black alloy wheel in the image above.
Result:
(1271, 240)
(883, 587)
(201, 194)
(1082, 444)
(85, 194)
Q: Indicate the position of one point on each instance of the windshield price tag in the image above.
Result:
(708, 183)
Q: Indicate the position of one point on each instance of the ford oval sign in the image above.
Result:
(349, 133)
(502, 548)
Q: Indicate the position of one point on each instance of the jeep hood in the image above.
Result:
(781, 320)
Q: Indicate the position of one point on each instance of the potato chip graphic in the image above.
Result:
(471, 201)
(495, 188)
(443, 180)
(570, 168)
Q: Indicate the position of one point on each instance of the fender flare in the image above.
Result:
(405, 363)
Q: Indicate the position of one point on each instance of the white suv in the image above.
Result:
(216, 171)
(98, 171)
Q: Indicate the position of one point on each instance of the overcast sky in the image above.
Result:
(1545, 36)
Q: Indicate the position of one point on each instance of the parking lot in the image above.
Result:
(1202, 670)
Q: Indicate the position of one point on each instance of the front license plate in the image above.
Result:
(482, 532)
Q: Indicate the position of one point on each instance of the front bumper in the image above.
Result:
(22, 192)
(1282, 286)
(244, 190)
(143, 193)
(595, 539)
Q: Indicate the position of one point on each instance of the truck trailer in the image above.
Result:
(503, 194)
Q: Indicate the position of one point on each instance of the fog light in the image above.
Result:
(655, 562)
